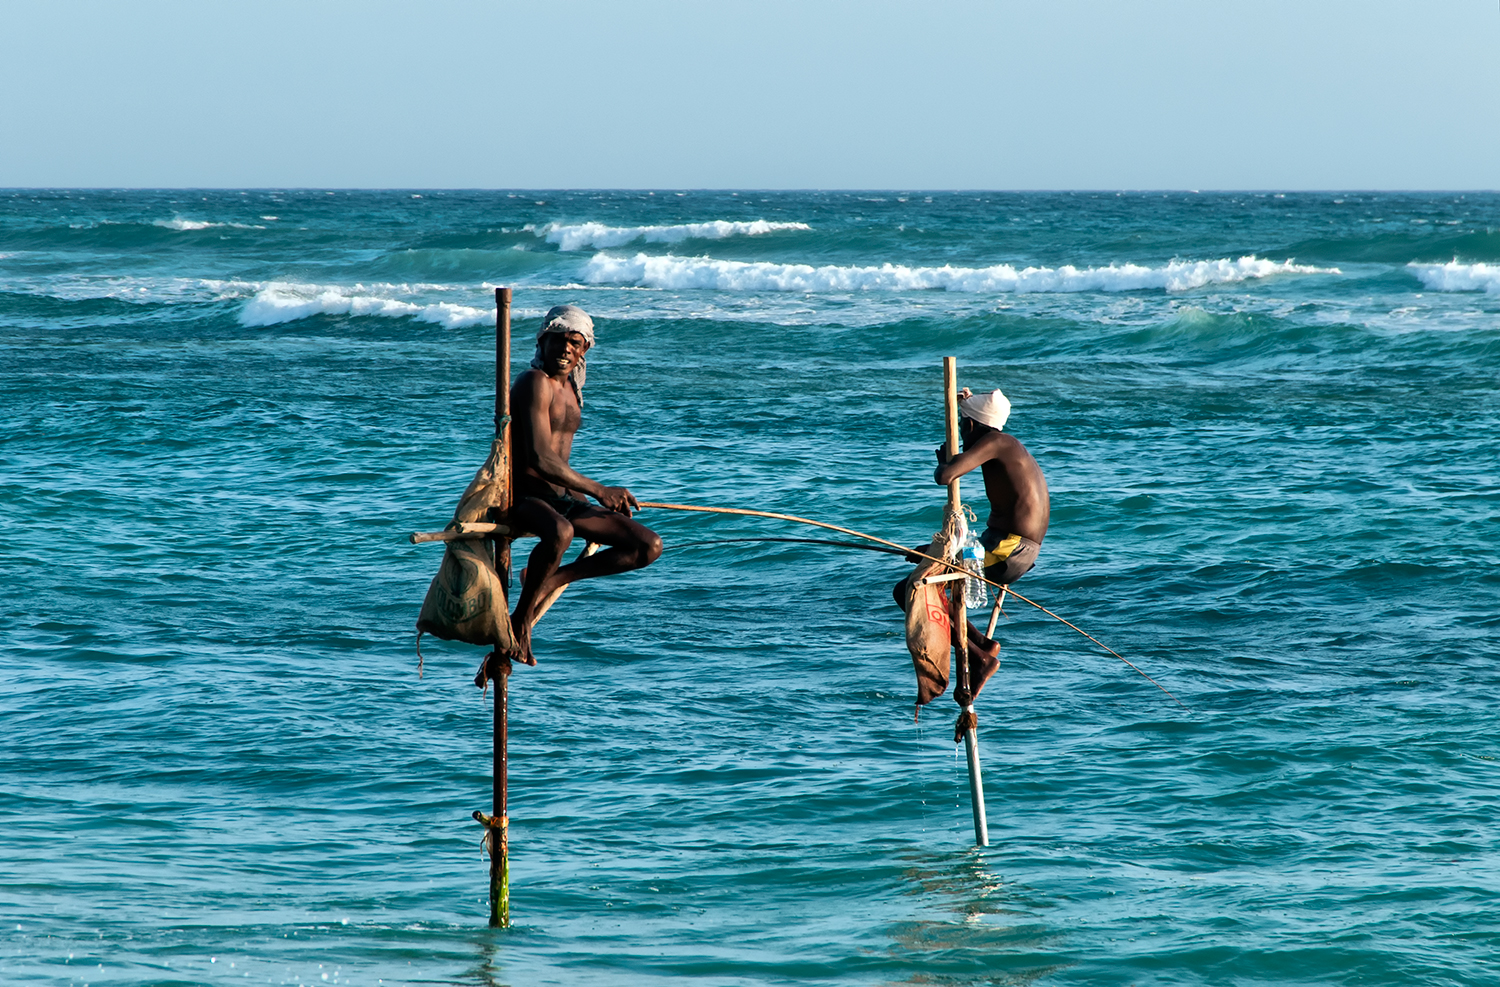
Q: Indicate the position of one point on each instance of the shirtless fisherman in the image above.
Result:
(1019, 507)
(546, 402)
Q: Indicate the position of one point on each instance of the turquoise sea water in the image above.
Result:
(1269, 427)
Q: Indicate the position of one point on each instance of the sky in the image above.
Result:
(1070, 94)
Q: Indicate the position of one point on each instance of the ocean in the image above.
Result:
(1268, 422)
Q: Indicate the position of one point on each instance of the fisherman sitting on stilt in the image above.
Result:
(546, 405)
(1019, 510)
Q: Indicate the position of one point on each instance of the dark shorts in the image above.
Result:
(568, 507)
(1007, 557)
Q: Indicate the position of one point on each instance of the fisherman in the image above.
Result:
(551, 497)
(1019, 508)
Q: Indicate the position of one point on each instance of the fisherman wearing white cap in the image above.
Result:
(551, 497)
(1019, 506)
(1013, 483)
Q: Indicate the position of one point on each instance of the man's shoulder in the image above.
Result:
(531, 380)
(999, 443)
(1007, 450)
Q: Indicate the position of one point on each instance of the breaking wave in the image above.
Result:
(279, 301)
(730, 275)
(183, 225)
(579, 236)
(1454, 276)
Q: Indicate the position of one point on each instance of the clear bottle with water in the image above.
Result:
(976, 593)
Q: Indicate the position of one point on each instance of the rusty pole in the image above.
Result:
(499, 828)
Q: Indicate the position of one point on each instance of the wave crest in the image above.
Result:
(279, 301)
(730, 275)
(185, 225)
(578, 236)
(1454, 276)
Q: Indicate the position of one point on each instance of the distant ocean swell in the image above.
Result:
(193, 225)
(270, 303)
(286, 302)
(599, 236)
(678, 273)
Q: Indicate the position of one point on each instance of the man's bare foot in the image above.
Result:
(494, 664)
(520, 629)
(982, 664)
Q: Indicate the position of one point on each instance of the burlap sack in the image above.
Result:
(929, 626)
(483, 491)
(466, 600)
(929, 633)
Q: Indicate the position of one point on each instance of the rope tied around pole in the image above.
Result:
(491, 824)
(967, 720)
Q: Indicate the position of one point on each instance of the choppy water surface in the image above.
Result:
(1269, 427)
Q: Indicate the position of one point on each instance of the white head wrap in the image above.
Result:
(990, 409)
(567, 318)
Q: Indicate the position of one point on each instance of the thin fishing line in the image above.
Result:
(804, 541)
(903, 551)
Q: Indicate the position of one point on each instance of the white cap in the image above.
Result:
(990, 409)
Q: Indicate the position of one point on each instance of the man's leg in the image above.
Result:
(630, 545)
(984, 658)
(554, 532)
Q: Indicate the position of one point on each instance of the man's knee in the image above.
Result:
(899, 592)
(558, 533)
(650, 548)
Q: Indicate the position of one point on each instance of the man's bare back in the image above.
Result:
(551, 496)
(1013, 482)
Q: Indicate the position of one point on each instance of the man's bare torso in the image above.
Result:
(1015, 487)
(565, 415)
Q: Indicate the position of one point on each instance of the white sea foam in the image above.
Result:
(280, 301)
(183, 225)
(728, 275)
(180, 225)
(578, 236)
(1454, 276)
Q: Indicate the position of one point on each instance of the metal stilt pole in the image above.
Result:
(960, 618)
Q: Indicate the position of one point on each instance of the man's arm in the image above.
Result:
(970, 459)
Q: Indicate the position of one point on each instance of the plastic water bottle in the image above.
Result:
(976, 593)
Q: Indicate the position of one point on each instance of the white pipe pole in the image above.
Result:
(960, 617)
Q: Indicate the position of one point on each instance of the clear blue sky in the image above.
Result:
(763, 94)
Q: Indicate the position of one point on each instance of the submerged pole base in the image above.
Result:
(967, 730)
(497, 841)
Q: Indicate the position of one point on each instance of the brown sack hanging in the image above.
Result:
(466, 601)
(929, 630)
(483, 492)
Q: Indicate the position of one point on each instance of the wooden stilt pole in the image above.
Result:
(959, 615)
(499, 822)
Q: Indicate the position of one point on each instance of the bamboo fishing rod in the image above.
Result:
(904, 551)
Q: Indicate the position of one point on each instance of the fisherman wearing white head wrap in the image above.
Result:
(990, 409)
(565, 319)
(552, 498)
(1019, 506)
